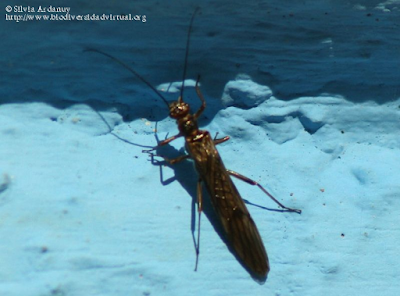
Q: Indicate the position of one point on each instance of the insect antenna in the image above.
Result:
(187, 54)
(130, 70)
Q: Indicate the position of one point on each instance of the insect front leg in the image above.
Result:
(164, 142)
(161, 163)
(169, 160)
(252, 182)
(219, 141)
(175, 160)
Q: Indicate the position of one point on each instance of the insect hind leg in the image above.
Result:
(252, 182)
(199, 210)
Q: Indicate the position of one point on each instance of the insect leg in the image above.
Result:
(169, 160)
(252, 182)
(175, 160)
(170, 139)
(219, 141)
(199, 210)
(164, 142)
(203, 101)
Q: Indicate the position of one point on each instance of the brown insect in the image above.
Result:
(240, 230)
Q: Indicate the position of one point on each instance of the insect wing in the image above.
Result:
(239, 227)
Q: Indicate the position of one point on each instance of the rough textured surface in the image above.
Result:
(82, 209)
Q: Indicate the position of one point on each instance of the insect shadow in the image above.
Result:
(188, 181)
(110, 130)
(185, 174)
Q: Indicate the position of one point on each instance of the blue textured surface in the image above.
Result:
(82, 209)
